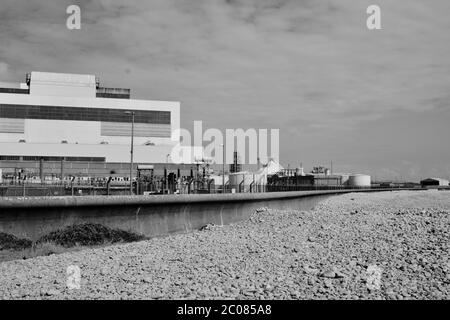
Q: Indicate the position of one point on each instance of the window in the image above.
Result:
(14, 90)
(45, 158)
(82, 114)
(10, 158)
(30, 158)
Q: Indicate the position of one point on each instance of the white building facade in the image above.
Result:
(70, 117)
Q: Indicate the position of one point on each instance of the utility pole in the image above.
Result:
(131, 149)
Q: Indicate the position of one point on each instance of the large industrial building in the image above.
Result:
(70, 121)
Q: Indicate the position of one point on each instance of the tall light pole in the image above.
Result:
(223, 168)
(131, 150)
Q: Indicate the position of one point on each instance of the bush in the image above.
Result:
(10, 242)
(88, 234)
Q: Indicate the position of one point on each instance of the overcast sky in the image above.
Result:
(371, 101)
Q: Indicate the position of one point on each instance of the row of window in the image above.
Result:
(82, 114)
(14, 90)
(101, 92)
(116, 93)
(113, 95)
(37, 158)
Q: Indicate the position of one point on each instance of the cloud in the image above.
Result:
(308, 67)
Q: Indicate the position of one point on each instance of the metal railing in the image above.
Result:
(26, 188)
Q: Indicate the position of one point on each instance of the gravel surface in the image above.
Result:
(388, 245)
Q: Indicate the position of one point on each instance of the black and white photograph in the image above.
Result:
(225, 155)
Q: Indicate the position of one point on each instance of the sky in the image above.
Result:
(371, 101)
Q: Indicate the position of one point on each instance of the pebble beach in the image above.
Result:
(384, 245)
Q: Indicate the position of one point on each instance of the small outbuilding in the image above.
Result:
(434, 182)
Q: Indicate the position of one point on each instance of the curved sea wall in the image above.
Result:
(150, 216)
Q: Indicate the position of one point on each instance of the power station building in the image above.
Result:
(70, 118)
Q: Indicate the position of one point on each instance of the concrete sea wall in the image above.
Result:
(151, 216)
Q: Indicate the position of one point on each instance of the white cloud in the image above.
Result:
(309, 67)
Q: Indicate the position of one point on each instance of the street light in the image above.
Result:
(131, 149)
(223, 167)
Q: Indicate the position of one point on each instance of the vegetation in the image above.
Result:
(71, 238)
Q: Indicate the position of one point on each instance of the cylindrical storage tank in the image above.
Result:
(359, 180)
(237, 178)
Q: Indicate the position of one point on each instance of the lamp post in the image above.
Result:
(131, 149)
(223, 168)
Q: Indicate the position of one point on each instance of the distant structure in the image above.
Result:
(323, 177)
(318, 177)
(359, 180)
(434, 182)
(246, 181)
(320, 170)
(236, 166)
